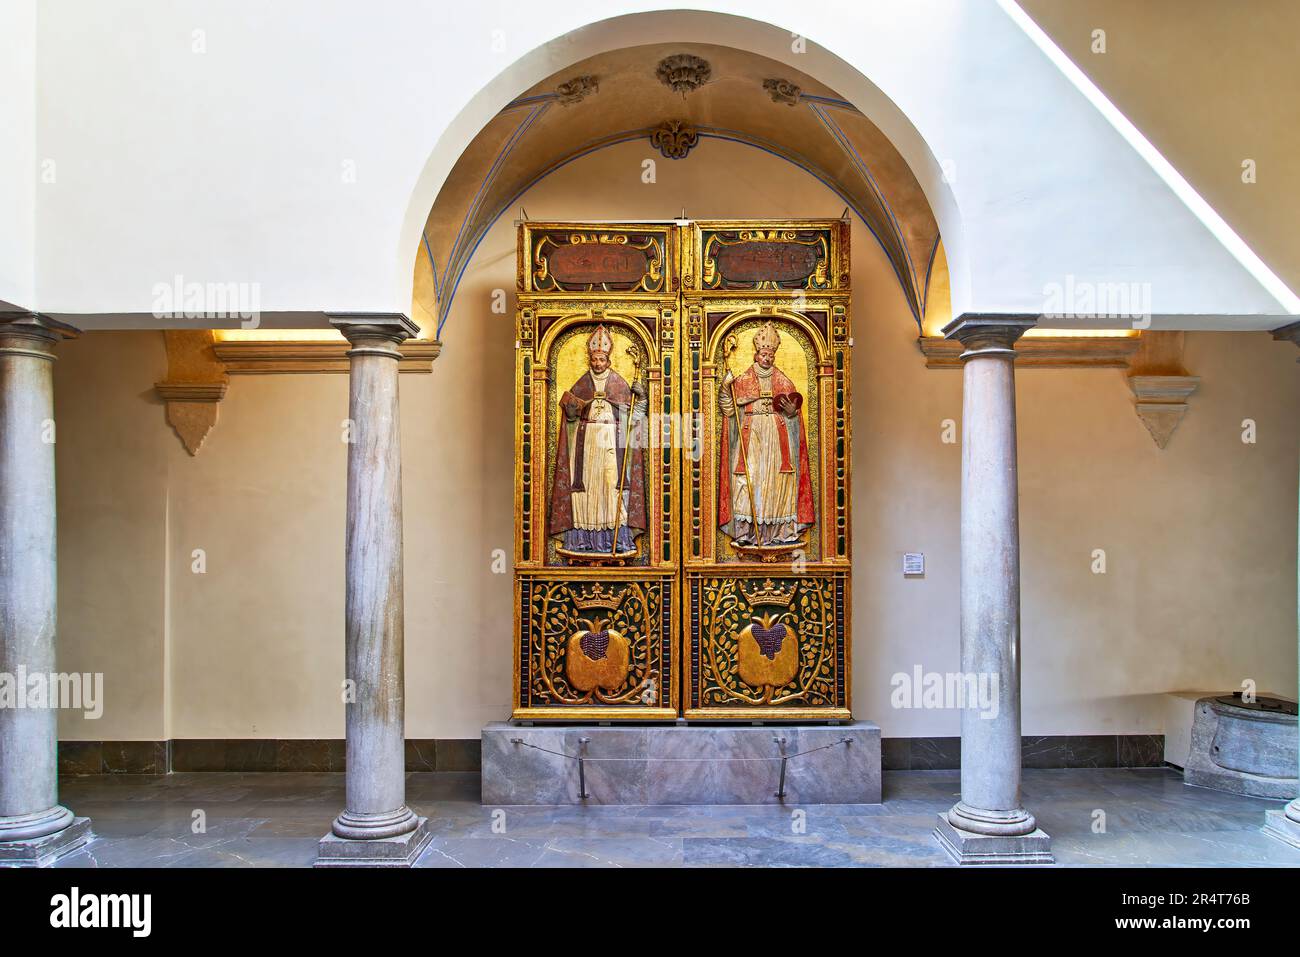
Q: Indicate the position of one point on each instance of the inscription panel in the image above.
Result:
(560, 258)
(586, 265)
(752, 262)
(734, 256)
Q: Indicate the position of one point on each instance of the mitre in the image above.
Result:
(600, 341)
(767, 338)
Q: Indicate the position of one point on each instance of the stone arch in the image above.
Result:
(851, 91)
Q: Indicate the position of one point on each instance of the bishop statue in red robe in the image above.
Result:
(764, 484)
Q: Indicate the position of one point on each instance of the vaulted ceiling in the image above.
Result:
(618, 97)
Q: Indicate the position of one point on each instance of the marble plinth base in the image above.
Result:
(400, 851)
(1245, 752)
(966, 847)
(43, 851)
(681, 764)
(1280, 827)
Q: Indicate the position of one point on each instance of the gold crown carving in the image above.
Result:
(769, 593)
(597, 596)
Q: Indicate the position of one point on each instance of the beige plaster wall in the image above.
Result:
(1236, 63)
(112, 458)
(1200, 588)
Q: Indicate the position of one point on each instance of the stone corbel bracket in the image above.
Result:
(195, 385)
(1162, 402)
(1161, 384)
(1290, 333)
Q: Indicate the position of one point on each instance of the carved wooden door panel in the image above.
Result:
(682, 534)
(596, 549)
(765, 376)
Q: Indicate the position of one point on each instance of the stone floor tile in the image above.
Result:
(268, 819)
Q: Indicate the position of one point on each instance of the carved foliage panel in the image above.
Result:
(766, 644)
(596, 648)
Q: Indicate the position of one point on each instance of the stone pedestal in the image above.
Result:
(376, 828)
(1284, 824)
(43, 851)
(34, 827)
(988, 824)
(403, 850)
(681, 764)
(1179, 710)
(1242, 750)
(967, 847)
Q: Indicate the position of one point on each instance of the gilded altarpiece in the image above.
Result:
(681, 437)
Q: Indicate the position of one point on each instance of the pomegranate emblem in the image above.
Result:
(768, 653)
(596, 657)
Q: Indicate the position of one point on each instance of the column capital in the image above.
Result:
(32, 334)
(374, 333)
(989, 333)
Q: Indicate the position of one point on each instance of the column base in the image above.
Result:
(45, 850)
(369, 827)
(974, 820)
(29, 827)
(966, 847)
(1280, 826)
(400, 851)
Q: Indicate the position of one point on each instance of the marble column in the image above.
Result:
(376, 828)
(34, 828)
(989, 825)
(1284, 823)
